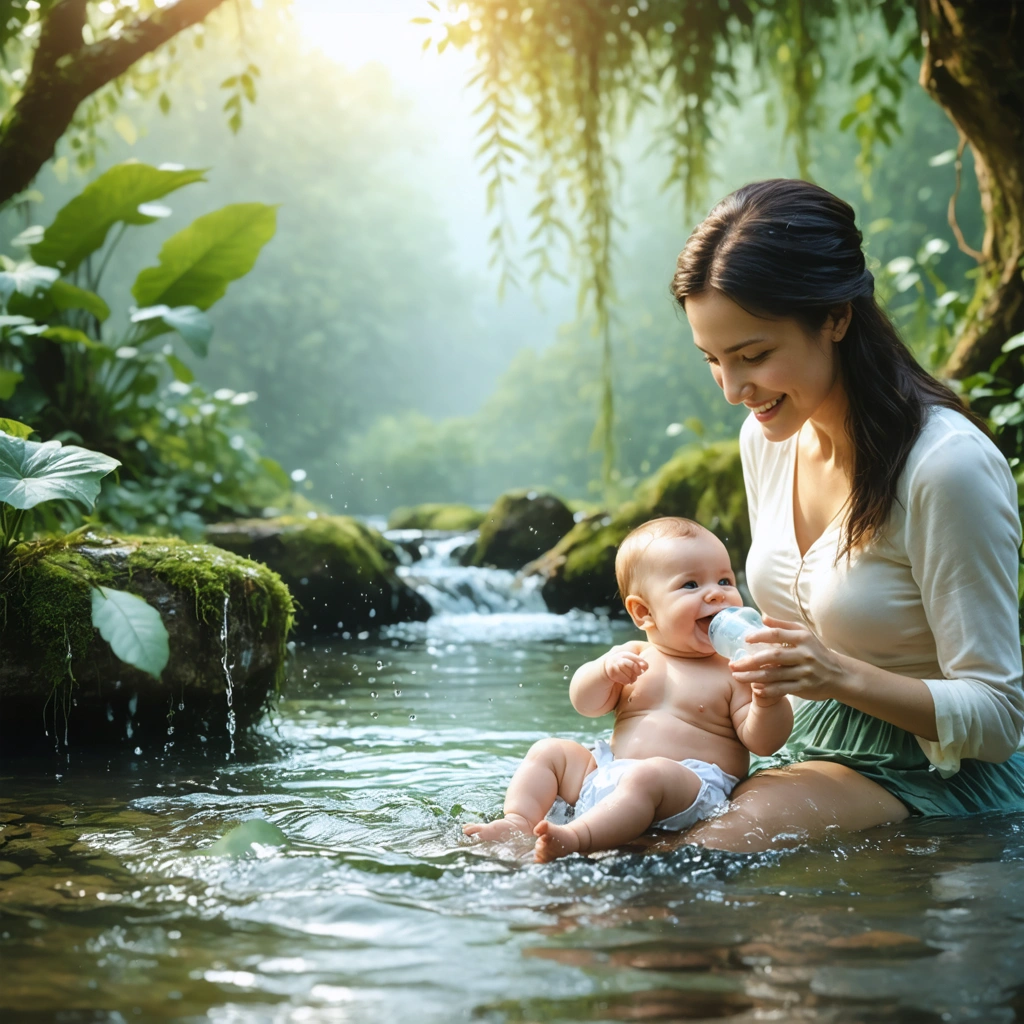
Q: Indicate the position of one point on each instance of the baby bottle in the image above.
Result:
(729, 627)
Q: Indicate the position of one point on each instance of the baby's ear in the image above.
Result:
(639, 612)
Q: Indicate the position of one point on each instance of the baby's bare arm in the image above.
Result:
(762, 726)
(596, 686)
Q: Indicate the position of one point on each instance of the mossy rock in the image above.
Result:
(700, 483)
(341, 572)
(448, 518)
(60, 680)
(519, 526)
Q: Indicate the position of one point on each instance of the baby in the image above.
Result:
(684, 728)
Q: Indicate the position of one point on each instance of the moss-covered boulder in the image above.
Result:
(227, 619)
(519, 526)
(446, 518)
(701, 483)
(341, 572)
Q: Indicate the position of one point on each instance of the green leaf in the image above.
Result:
(1017, 341)
(189, 321)
(180, 370)
(31, 472)
(14, 320)
(26, 279)
(81, 226)
(70, 336)
(197, 264)
(69, 296)
(9, 380)
(132, 627)
(15, 429)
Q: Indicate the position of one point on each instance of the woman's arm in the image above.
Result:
(806, 668)
(962, 534)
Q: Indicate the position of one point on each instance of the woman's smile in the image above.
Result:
(765, 412)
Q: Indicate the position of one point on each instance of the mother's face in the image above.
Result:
(782, 373)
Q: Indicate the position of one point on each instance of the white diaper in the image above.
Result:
(715, 787)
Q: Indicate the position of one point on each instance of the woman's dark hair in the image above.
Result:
(788, 249)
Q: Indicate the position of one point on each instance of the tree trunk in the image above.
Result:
(974, 67)
(65, 71)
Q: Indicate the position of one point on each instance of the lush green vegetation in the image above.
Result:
(385, 373)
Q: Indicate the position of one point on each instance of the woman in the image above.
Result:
(885, 534)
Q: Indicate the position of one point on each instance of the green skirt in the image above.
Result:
(830, 731)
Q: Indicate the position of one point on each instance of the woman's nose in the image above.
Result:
(735, 387)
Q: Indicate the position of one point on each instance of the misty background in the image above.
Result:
(388, 369)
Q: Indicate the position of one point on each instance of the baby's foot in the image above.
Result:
(499, 831)
(554, 841)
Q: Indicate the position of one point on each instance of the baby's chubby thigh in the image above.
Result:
(661, 785)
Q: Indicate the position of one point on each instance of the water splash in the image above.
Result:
(229, 692)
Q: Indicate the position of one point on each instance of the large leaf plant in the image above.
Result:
(186, 456)
(33, 473)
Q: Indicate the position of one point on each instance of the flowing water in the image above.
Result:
(355, 898)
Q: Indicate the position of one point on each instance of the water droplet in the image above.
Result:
(412, 718)
(380, 665)
(398, 693)
(520, 686)
(138, 750)
(373, 694)
(565, 668)
(373, 714)
(181, 706)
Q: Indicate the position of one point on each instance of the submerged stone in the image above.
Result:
(519, 526)
(701, 483)
(61, 683)
(446, 518)
(341, 572)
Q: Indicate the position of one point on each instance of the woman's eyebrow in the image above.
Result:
(738, 345)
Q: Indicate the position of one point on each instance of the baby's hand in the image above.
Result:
(623, 666)
(761, 699)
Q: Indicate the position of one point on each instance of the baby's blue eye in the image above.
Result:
(724, 582)
(690, 585)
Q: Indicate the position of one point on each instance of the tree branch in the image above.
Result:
(65, 72)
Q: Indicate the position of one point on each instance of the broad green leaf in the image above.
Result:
(69, 296)
(81, 227)
(26, 279)
(70, 336)
(62, 296)
(132, 627)
(14, 320)
(9, 380)
(198, 264)
(15, 429)
(180, 370)
(1017, 341)
(32, 472)
(189, 321)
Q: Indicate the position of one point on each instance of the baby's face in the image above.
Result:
(685, 582)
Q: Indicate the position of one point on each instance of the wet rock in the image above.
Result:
(341, 572)
(447, 518)
(705, 484)
(519, 526)
(245, 840)
(60, 683)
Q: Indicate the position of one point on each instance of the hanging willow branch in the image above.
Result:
(574, 74)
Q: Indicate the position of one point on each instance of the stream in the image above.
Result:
(365, 903)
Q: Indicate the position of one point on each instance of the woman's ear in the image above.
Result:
(839, 321)
(639, 612)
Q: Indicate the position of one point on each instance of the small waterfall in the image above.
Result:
(227, 675)
(474, 605)
(454, 589)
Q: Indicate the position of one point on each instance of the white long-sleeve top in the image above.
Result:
(932, 597)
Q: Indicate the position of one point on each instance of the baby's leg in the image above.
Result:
(652, 789)
(551, 768)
